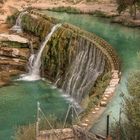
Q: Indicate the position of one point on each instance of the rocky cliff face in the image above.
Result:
(13, 56)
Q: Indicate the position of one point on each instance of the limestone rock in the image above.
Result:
(14, 38)
(22, 53)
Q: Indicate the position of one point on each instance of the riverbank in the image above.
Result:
(105, 8)
(100, 8)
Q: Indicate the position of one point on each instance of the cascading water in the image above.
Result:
(17, 27)
(85, 65)
(35, 60)
(83, 70)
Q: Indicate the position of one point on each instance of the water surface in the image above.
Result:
(18, 105)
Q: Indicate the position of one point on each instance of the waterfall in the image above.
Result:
(17, 27)
(83, 70)
(35, 59)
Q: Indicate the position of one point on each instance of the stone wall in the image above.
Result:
(74, 133)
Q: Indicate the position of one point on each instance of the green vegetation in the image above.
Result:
(54, 121)
(129, 128)
(73, 10)
(97, 92)
(13, 44)
(65, 9)
(99, 13)
(133, 6)
(11, 20)
(29, 132)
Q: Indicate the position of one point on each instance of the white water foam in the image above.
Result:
(35, 60)
(17, 27)
(72, 101)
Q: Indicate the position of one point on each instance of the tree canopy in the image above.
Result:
(133, 6)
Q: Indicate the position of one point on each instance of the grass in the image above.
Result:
(28, 132)
(25, 133)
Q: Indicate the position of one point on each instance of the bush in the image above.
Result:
(129, 128)
(97, 92)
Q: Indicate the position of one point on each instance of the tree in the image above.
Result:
(129, 127)
(133, 5)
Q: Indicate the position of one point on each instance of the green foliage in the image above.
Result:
(11, 20)
(134, 84)
(29, 132)
(101, 84)
(133, 5)
(13, 44)
(68, 9)
(97, 92)
(129, 129)
(38, 27)
(99, 13)
(121, 6)
(55, 122)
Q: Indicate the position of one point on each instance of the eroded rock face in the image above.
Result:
(12, 63)
(6, 74)
(22, 53)
(14, 54)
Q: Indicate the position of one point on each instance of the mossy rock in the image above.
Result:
(11, 20)
(13, 44)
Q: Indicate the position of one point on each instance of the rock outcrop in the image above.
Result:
(14, 54)
(13, 38)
